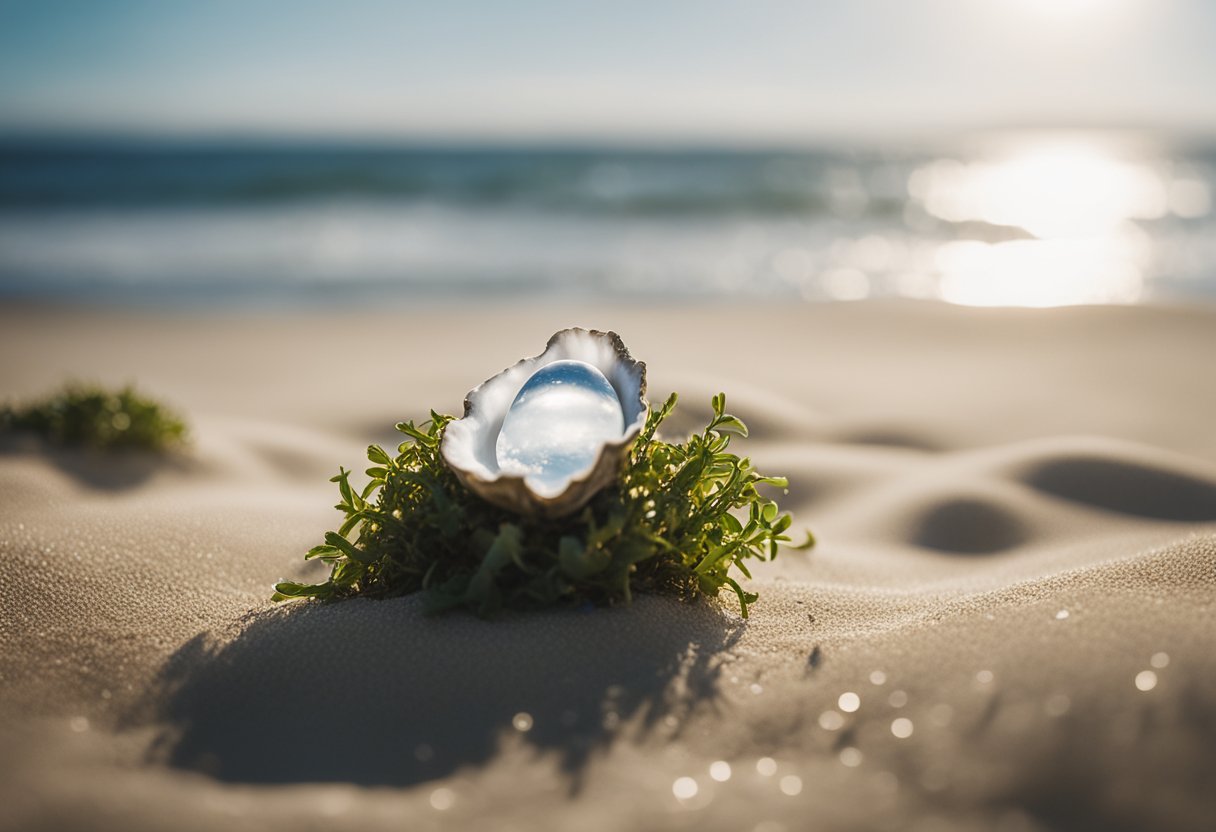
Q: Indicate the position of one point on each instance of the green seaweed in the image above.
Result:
(679, 518)
(94, 416)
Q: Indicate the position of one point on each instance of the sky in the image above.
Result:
(753, 70)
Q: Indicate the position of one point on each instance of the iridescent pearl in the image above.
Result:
(556, 425)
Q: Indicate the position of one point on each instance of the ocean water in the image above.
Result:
(1014, 219)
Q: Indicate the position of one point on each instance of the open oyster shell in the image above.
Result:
(468, 444)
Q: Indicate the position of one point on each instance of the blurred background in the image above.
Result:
(980, 152)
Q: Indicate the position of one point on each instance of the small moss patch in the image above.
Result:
(94, 416)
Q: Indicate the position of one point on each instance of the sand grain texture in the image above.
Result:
(1016, 579)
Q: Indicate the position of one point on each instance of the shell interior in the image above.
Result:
(469, 443)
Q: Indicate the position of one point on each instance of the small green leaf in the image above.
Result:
(731, 424)
(347, 548)
(324, 551)
(291, 589)
(420, 436)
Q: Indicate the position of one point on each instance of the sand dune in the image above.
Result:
(1007, 625)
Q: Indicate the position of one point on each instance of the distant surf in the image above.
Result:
(1043, 224)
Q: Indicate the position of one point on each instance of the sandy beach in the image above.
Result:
(1008, 622)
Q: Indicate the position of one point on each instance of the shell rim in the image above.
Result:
(630, 435)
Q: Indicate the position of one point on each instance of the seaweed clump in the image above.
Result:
(93, 416)
(678, 519)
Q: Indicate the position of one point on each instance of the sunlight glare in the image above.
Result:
(1037, 273)
(1052, 191)
(1079, 203)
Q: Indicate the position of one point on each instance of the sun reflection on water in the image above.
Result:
(1040, 272)
(1076, 202)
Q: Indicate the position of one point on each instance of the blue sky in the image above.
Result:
(703, 69)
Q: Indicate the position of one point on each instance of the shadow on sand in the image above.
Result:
(1126, 487)
(103, 470)
(376, 693)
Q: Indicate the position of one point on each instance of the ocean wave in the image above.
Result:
(1043, 228)
(647, 184)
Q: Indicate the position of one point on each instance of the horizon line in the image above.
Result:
(17, 135)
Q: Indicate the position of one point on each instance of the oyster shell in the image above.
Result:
(470, 444)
